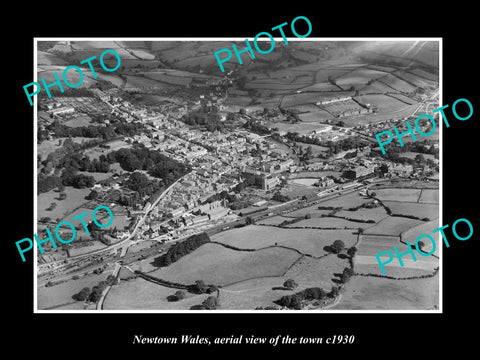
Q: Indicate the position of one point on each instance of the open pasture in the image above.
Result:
(140, 294)
(310, 272)
(396, 194)
(416, 80)
(216, 264)
(375, 214)
(250, 294)
(318, 115)
(429, 196)
(308, 241)
(392, 226)
(321, 86)
(397, 83)
(75, 198)
(424, 74)
(350, 200)
(419, 210)
(62, 293)
(330, 222)
(358, 77)
(373, 293)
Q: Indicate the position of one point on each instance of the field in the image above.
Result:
(62, 293)
(367, 263)
(419, 210)
(358, 77)
(392, 226)
(313, 116)
(395, 194)
(311, 210)
(375, 214)
(330, 222)
(416, 80)
(310, 272)
(304, 182)
(347, 201)
(372, 293)
(411, 235)
(216, 264)
(141, 82)
(249, 294)
(274, 220)
(75, 197)
(143, 295)
(49, 146)
(82, 120)
(92, 246)
(429, 196)
(308, 241)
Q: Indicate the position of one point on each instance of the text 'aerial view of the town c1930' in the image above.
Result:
(259, 188)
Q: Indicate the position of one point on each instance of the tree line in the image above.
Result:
(183, 248)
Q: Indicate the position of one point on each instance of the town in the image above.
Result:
(190, 163)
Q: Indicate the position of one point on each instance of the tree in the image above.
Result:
(361, 230)
(346, 275)
(334, 292)
(93, 195)
(200, 286)
(290, 284)
(296, 303)
(180, 294)
(338, 246)
(420, 158)
(211, 303)
(314, 293)
(352, 251)
(249, 220)
(82, 295)
(420, 245)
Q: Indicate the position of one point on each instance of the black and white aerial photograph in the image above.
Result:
(189, 182)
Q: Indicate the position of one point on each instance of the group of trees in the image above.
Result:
(199, 287)
(115, 129)
(210, 303)
(183, 248)
(204, 117)
(346, 275)
(157, 165)
(95, 293)
(337, 246)
(140, 183)
(83, 163)
(295, 301)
